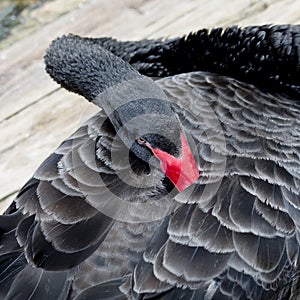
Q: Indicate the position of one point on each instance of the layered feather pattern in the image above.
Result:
(233, 234)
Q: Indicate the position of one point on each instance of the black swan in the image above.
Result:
(183, 187)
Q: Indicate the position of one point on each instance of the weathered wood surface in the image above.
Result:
(36, 115)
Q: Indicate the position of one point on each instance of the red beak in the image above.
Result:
(182, 171)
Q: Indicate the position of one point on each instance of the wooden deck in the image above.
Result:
(36, 115)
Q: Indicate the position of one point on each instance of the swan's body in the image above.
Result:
(232, 234)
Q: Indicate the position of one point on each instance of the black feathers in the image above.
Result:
(85, 68)
(267, 56)
(98, 221)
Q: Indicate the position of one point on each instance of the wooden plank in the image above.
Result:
(36, 116)
(35, 137)
(274, 12)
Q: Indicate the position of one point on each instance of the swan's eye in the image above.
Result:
(141, 141)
